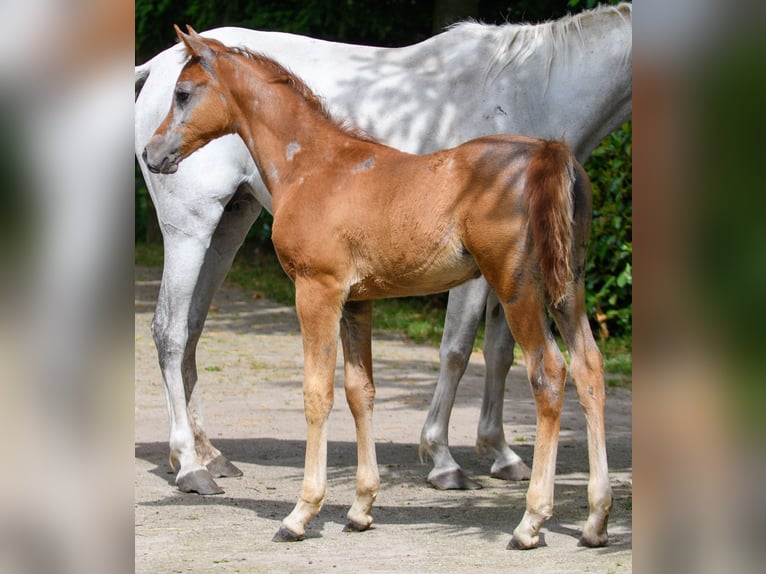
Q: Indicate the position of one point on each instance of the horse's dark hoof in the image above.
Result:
(598, 542)
(284, 534)
(517, 471)
(352, 526)
(221, 467)
(453, 480)
(516, 544)
(199, 481)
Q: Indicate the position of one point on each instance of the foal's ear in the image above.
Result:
(195, 44)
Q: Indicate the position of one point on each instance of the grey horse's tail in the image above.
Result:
(142, 73)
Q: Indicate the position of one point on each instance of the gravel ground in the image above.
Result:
(250, 364)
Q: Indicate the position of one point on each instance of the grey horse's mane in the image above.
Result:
(520, 41)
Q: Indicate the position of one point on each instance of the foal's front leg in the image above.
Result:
(356, 334)
(319, 305)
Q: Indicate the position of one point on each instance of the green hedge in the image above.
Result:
(609, 270)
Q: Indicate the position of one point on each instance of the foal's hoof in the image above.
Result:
(516, 471)
(199, 481)
(517, 544)
(352, 526)
(453, 480)
(593, 542)
(284, 534)
(220, 466)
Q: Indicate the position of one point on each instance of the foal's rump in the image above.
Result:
(519, 212)
(499, 205)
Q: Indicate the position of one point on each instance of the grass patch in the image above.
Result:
(259, 273)
(420, 319)
(149, 254)
(618, 355)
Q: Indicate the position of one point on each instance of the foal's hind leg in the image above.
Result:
(546, 370)
(356, 334)
(587, 369)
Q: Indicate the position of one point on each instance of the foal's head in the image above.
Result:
(200, 111)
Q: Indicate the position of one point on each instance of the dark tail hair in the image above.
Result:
(550, 182)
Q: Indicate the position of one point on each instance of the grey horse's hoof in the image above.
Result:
(199, 481)
(220, 466)
(516, 471)
(453, 480)
(286, 535)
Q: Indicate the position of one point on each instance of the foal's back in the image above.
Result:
(399, 224)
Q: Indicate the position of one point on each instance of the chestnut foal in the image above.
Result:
(355, 221)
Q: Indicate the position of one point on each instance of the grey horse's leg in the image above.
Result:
(498, 358)
(238, 217)
(194, 268)
(464, 309)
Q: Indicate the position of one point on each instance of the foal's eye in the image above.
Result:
(182, 97)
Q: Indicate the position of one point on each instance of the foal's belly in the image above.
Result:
(440, 270)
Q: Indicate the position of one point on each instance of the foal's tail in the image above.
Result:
(550, 188)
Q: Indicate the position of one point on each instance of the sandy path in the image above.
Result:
(250, 363)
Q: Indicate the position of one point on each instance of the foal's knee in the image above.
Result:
(317, 406)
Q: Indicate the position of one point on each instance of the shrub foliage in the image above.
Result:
(609, 271)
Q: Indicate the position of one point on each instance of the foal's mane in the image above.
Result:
(280, 74)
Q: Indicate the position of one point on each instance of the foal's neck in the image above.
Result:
(287, 133)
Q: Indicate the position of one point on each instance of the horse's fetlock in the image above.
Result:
(488, 438)
(430, 438)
